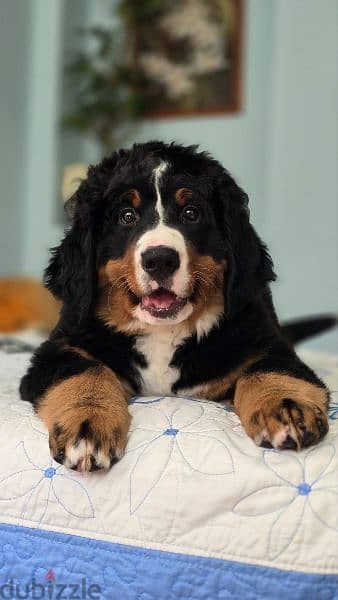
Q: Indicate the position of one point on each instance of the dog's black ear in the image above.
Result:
(70, 275)
(249, 266)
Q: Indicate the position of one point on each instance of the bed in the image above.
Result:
(194, 510)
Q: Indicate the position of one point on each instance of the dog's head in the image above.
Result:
(160, 234)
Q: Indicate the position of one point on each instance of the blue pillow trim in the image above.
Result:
(34, 557)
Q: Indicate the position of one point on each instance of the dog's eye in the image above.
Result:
(190, 214)
(128, 216)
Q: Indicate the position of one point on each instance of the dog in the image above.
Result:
(165, 291)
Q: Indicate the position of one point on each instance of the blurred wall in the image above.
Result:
(282, 148)
(15, 27)
(301, 201)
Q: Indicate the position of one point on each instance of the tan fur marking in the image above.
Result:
(259, 402)
(133, 196)
(217, 388)
(79, 351)
(206, 281)
(183, 195)
(116, 280)
(95, 396)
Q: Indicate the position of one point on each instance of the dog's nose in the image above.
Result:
(160, 262)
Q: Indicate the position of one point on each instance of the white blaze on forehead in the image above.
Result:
(157, 174)
(162, 235)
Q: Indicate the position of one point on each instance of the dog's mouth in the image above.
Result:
(162, 303)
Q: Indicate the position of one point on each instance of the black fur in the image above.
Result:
(251, 267)
(109, 346)
(50, 364)
(300, 329)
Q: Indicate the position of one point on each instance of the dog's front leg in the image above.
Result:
(82, 403)
(282, 404)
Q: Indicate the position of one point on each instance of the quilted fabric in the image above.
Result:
(45, 565)
(191, 484)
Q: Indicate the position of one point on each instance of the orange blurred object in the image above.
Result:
(26, 304)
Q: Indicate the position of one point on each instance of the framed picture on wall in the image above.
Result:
(189, 55)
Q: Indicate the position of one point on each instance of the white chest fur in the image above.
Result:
(158, 347)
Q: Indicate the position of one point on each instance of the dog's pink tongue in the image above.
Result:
(159, 299)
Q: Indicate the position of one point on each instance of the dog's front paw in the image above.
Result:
(288, 425)
(282, 412)
(88, 420)
(89, 444)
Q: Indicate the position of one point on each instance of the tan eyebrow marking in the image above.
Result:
(133, 196)
(183, 195)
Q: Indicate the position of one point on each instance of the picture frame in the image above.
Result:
(190, 55)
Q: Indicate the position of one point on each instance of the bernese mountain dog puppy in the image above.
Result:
(165, 290)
